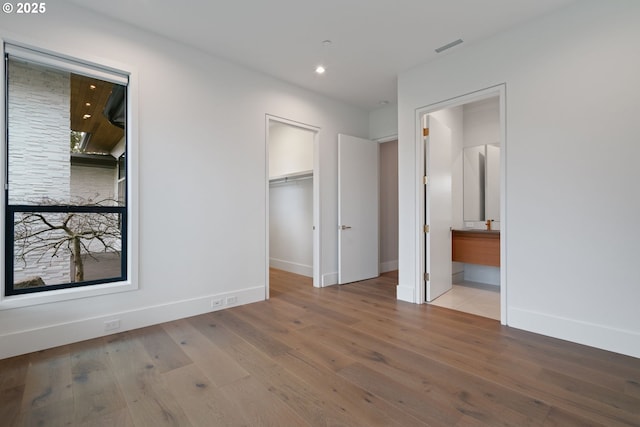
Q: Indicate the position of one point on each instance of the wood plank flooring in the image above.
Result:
(338, 356)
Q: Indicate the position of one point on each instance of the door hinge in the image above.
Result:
(425, 132)
(426, 228)
(426, 180)
(426, 276)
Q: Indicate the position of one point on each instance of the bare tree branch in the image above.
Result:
(75, 233)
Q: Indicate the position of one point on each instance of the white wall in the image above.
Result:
(291, 226)
(202, 171)
(492, 195)
(572, 102)
(482, 122)
(290, 149)
(383, 123)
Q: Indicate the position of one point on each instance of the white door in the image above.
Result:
(438, 208)
(358, 207)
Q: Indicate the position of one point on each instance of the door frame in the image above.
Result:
(316, 196)
(420, 261)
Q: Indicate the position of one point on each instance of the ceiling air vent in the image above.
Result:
(448, 46)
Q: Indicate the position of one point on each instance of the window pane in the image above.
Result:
(122, 180)
(38, 120)
(65, 134)
(122, 188)
(121, 167)
(58, 248)
(93, 181)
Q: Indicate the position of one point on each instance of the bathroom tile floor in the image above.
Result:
(470, 297)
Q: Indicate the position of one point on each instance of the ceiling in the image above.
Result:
(88, 99)
(372, 41)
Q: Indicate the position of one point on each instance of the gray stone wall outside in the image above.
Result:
(39, 166)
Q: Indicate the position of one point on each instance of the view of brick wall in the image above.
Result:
(95, 183)
(39, 120)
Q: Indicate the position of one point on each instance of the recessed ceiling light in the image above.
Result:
(86, 116)
(384, 102)
(92, 87)
(326, 42)
(88, 104)
(320, 69)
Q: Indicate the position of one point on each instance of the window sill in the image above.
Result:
(28, 300)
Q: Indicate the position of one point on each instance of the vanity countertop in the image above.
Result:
(475, 230)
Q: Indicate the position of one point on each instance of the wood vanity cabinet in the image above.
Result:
(476, 247)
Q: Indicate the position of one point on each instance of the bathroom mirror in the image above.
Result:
(481, 187)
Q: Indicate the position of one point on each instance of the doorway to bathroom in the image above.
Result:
(462, 203)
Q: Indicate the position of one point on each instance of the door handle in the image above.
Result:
(345, 227)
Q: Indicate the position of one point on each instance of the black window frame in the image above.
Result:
(122, 210)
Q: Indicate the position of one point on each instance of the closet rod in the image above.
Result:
(289, 179)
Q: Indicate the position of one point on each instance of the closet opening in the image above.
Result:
(292, 196)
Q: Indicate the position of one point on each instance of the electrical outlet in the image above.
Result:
(111, 325)
(217, 302)
(232, 300)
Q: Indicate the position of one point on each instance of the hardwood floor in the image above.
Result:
(338, 356)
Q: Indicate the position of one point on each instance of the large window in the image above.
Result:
(66, 173)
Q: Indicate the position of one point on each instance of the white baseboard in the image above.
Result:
(388, 266)
(291, 267)
(329, 279)
(599, 336)
(22, 342)
(406, 293)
